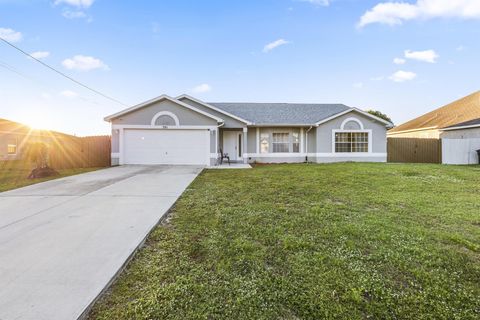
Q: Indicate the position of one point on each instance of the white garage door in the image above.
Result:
(188, 147)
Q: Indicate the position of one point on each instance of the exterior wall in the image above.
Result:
(22, 140)
(145, 115)
(229, 122)
(325, 147)
(311, 142)
(460, 146)
(421, 134)
(461, 134)
(252, 140)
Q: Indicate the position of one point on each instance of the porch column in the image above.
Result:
(245, 145)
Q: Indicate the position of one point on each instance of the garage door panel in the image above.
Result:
(166, 146)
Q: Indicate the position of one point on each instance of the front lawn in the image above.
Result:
(337, 241)
(13, 174)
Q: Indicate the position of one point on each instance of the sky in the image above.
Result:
(403, 58)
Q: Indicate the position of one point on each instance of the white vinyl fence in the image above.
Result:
(460, 151)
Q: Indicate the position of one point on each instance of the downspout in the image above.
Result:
(306, 144)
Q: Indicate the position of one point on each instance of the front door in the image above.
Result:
(232, 144)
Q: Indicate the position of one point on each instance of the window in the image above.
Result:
(12, 146)
(346, 142)
(295, 142)
(280, 142)
(264, 142)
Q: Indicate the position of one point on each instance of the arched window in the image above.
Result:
(165, 118)
(352, 138)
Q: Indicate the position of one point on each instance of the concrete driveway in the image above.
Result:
(62, 241)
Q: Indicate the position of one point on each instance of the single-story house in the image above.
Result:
(186, 130)
(430, 125)
(456, 124)
(15, 137)
(460, 143)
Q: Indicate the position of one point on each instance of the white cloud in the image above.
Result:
(275, 44)
(358, 85)
(203, 88)
(402, 76)
(429, 56)
(399, 61)
(69, 14)
(46, 95)
(324, 3)
(461, 48)
(10, 35)
(76, 3)
(84, 63)
(69, 94)
(395, 13)
(40, 54)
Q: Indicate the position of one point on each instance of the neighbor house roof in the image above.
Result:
(465, 109)
(475, 123)
(282, 113)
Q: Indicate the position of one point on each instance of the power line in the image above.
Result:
(36, 82)
(63, 74)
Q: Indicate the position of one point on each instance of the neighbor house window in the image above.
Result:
(280, 142)
(12, 146)
(351, 142)
(264, 142)
(295, 142)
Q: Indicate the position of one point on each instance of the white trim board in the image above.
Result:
(473, 126)
(158, 99)
(331, 155)
(139, 126)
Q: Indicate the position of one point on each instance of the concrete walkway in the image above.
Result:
(62, 241)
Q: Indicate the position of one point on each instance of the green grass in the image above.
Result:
(13, 174)
(339, 241)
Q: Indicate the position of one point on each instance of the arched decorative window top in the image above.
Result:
(165, 118)
(352, 124)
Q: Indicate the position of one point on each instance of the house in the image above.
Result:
(460, 143)
(185, 130)
(15, 137)
(430, 125)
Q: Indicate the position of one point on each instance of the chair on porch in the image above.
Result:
(224, 156)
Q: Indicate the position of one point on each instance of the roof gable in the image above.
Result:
(465, 109)
(187, 97)
(159, 99)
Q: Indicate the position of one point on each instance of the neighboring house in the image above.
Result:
(460, 143)
(430, 125)
(185, 130)
(15, 137)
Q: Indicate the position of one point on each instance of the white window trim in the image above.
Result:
(370, 141)
(289, 142)
(165, 113)
(16, 147)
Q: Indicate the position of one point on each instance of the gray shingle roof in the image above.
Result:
(282, 113)
(465, 124)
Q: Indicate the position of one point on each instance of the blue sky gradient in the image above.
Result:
(153, 47)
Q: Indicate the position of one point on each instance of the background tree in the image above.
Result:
(380, 115)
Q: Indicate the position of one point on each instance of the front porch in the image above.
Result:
(262, 144)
